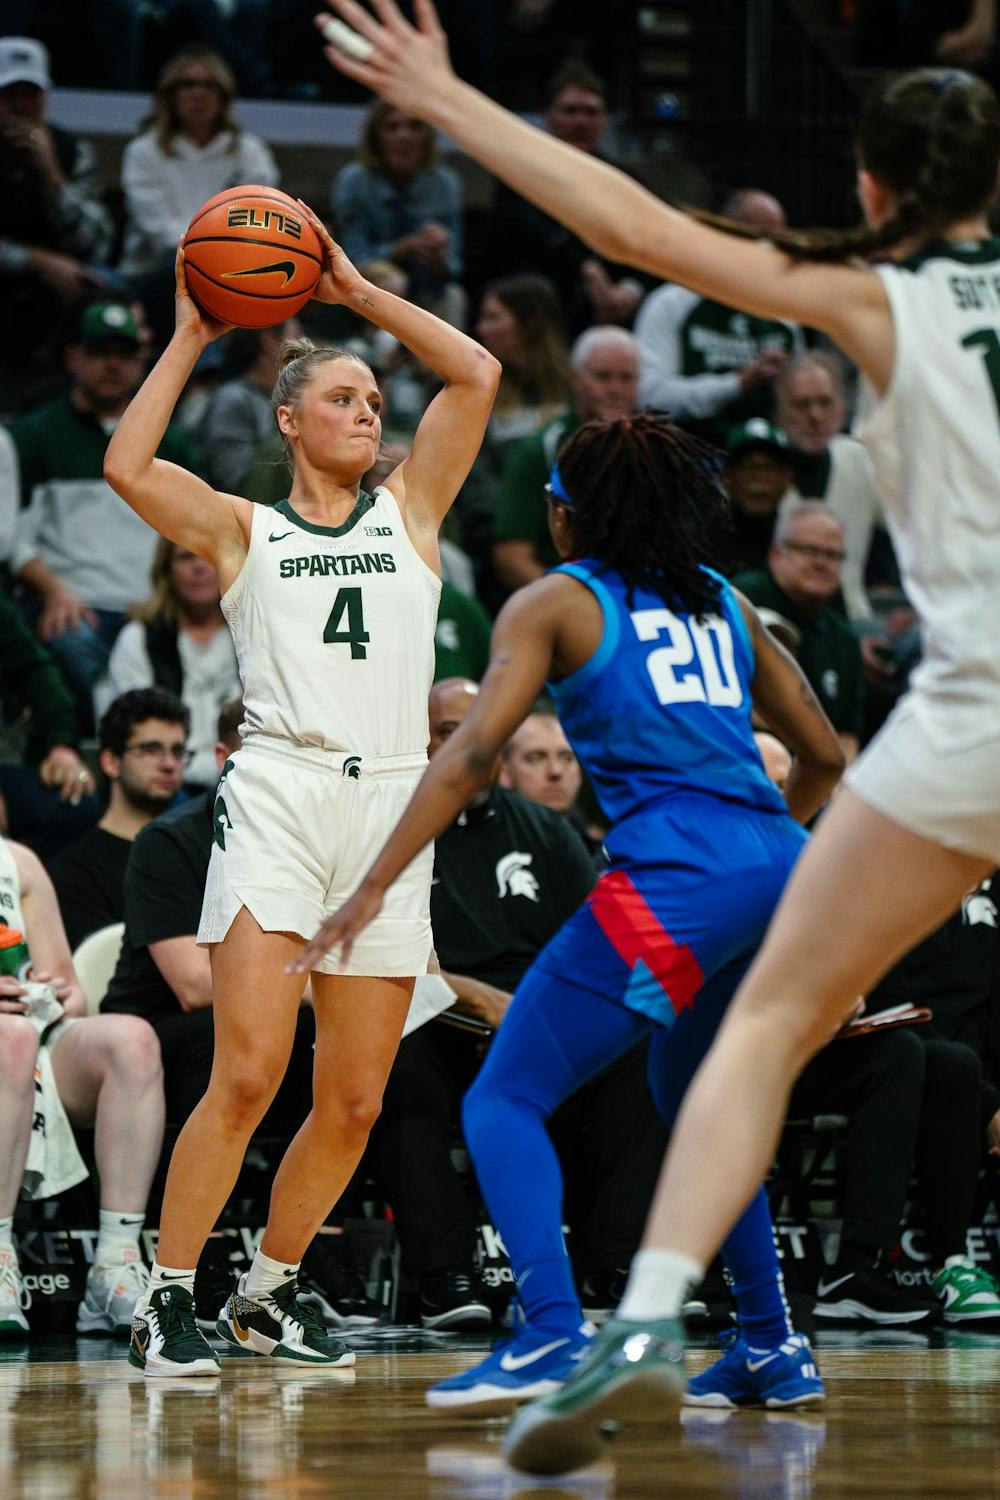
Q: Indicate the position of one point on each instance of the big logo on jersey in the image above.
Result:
(514, 878)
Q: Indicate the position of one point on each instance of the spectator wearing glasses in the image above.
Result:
(180, 642)
(800, 583)
(143, 740)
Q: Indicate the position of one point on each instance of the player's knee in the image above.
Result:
(244, 1093)
(18, 1052)
(361, 1110)
(135, 1051)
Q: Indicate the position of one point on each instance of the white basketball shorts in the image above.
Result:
(296, 828)
(934, 768)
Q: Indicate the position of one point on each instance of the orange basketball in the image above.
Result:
(251, 257)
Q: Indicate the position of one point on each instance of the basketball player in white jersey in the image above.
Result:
(332, 600)
(920, 816)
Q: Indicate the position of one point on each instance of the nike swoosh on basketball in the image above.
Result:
(512, 1362)
(288, 266)
(753, 1365)
(280, 536)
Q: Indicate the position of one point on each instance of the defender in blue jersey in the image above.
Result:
(655, 664)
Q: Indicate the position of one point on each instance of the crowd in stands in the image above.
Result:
(120, 697)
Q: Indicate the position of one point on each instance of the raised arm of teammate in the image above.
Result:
(525, 639)
(176, 503)
(621, 220)
(791, 710)
(452, 428)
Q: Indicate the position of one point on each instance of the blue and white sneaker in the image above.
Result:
(534, 1362)
(746, 1376)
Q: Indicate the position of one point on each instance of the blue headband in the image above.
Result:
(557, 489)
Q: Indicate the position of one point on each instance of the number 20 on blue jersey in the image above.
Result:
(696, 663)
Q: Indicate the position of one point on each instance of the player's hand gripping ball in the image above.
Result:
(251, 257)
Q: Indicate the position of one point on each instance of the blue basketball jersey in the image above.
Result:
(663, 706)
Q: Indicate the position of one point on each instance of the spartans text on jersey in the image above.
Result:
(347, 563)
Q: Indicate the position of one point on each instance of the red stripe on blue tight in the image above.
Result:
(634, 931)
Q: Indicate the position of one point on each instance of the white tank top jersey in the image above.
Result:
(334, 630)
(934, 439)
(11, 914)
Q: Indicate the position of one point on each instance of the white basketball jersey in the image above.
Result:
(334, 630)
(935, 442)
(11, 914)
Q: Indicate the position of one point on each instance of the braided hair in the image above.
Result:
(646, 498)
(933, 139)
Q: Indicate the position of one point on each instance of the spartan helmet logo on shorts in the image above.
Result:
(352, 767)
(514, 878)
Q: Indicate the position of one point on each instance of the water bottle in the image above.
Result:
(14, 956)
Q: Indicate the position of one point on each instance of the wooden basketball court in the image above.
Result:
(79, 1424)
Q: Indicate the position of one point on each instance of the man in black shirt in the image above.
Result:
(507, 874)
(143, 740)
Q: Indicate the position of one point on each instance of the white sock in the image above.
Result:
(118, 1233)
(7, 1235)
(265, 1274)
(171, 1276)
(658, 1285)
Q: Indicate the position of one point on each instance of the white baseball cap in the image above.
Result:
(23, 60)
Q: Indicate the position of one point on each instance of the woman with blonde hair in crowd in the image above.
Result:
(191, 148)
(179, 640)
(396, 202)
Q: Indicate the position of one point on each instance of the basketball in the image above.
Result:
(251, 257)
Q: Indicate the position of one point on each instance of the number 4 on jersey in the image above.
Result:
(347, 602)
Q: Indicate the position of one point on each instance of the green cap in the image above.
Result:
(757, 433)
(108, 320)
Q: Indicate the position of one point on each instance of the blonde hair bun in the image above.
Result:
(293, 349)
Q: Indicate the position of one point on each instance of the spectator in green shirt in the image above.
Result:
(800, 583)
(462, 637)
(604, 384)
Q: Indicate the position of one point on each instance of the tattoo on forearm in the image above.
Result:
(367, 302)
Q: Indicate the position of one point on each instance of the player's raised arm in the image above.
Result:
(621, 220)
(451, 430)
(176, 503)
(520, 661)
(791, 709)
